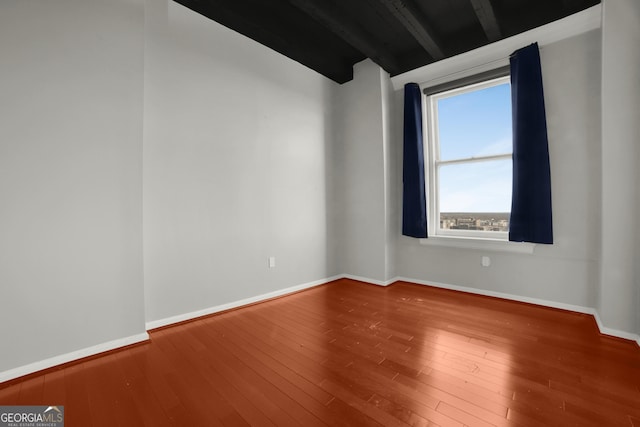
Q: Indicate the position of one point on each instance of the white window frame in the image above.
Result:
(433, 162)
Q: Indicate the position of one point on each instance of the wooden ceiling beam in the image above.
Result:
(413, 20)
(302, 49)
(350, 31)
(571, 5)
(487, 18)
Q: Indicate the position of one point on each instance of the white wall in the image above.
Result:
(620, 278)
(391, 179)
(360, 161)
(70, 176)
(249, 155)
(566, 272)
(236, 140)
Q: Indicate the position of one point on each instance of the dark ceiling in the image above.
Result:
(330, 36)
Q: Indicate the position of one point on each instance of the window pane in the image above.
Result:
(476, 123)
(479, 190)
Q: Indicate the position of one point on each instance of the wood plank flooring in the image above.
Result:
(354, 354)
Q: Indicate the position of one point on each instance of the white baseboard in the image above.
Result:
(70, 357)
(122, 342)
(503, 295)
(615, 332)
(235, 304)
(547, 303)
(368, 280)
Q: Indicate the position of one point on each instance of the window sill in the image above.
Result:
(479, 244)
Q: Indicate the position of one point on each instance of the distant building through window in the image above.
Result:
(469, 159)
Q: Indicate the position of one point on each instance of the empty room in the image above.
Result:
(315, 212)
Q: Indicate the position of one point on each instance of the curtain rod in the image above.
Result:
(486, 66)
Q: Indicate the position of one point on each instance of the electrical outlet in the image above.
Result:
(272, 262)
(486, 261)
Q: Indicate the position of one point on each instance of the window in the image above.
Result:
(469, 159)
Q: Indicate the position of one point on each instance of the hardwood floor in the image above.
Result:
(349, 353)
